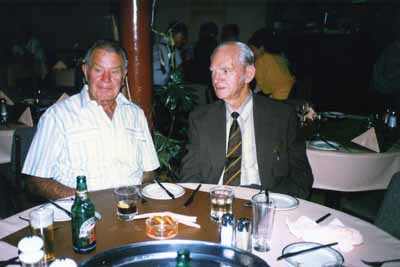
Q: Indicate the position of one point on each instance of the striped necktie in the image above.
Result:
(233, 160)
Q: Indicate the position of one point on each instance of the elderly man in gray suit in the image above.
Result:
(245, 139)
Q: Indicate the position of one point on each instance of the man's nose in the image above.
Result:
(106, 76)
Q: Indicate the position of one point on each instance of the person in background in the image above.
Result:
(207, 41)
(162, 60)
(273, 76)
(230, 32)
(97, 133)
(386, 74)
(270, 152)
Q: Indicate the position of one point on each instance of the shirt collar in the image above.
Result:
(245, 108)
(85, 98)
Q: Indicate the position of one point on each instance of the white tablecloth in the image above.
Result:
(6, 137)
(351, 171)
(377, 243)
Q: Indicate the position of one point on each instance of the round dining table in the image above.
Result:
(113, 233)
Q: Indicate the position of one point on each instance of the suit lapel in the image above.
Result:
(262, 132)
(217, 128)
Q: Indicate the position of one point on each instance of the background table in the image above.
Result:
(113, 233)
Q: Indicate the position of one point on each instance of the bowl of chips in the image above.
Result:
(161, 227)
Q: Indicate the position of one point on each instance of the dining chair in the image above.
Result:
(388, 217)
(21, 142)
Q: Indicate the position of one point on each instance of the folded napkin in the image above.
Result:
(59, 66)
(308, 230)
(62, 97)
(183, 219)
(368, 139)
(8, 100)
(7, 252)
(26, 117)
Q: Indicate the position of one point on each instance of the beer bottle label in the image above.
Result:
(87, 230)
(82, 194)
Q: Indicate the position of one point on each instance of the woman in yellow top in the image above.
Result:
(272, 72)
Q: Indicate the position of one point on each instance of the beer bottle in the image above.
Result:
(183, 258)
(83, 219)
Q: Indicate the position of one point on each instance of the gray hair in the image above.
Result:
(246, 56)
(109, 46)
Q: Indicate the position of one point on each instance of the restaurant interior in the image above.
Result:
(332, 47)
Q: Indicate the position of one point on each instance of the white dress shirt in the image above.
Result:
(249, 168)
(76, 137)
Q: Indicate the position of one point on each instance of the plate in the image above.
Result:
(154, 191)
(334, 114)
(284, 202)
(317, 258)
(322, 145)
(163, 253)
(59, 215)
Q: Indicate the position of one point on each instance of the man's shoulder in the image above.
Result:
(205, 111)
(272, 107)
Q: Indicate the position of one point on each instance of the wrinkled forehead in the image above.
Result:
(225, 57)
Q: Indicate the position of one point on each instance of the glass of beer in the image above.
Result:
(221, 202)
(126, 197)
(41, 222)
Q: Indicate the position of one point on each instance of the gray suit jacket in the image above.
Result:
(281, 151)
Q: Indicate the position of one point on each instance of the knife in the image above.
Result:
(61, 208)
(322, 218)
(190, 199)
(10, 261)
(165, 189)
(291, 254)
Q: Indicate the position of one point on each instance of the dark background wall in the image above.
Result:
(338, 65)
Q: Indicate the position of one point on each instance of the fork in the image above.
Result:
(378, 263)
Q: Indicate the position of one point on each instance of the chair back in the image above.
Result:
(20, 146)
(388, 217)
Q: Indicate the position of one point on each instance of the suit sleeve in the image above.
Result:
(189, 171)
(300, 179)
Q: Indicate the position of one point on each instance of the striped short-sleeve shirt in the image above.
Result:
(76, 137)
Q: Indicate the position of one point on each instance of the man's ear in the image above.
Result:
(249, 74)
(84, 70)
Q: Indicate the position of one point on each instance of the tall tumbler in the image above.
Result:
(263, 222)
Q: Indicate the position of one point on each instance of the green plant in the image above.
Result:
(172, 104)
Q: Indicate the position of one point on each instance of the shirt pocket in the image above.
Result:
(84, 152)
(133, 149)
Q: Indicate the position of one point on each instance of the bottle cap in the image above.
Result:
(227, 219)
(30, 244)
(63, 262)
(31, 257)
(243, 225)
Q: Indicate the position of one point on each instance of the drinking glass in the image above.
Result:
(221, 202)
(126, 197)
(263, 222)
(41, 223)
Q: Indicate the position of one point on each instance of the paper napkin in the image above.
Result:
(308, 230)
(62, 97)
(183, 219)
(7, 252)
(8, 100)
(368, 139)
(59, 66)
(26, 117)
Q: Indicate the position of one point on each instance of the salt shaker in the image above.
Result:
(31, 252)
(63, 262)
(243, 234)
(227, 229)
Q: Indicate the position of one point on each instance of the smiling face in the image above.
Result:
(230, 78)
(104, 74)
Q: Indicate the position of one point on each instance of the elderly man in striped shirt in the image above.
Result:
(97, 133)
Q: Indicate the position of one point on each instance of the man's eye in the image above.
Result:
(116, 72)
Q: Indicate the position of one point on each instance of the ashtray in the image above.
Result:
(161, 227)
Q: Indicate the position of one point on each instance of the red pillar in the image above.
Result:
(136, 39)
